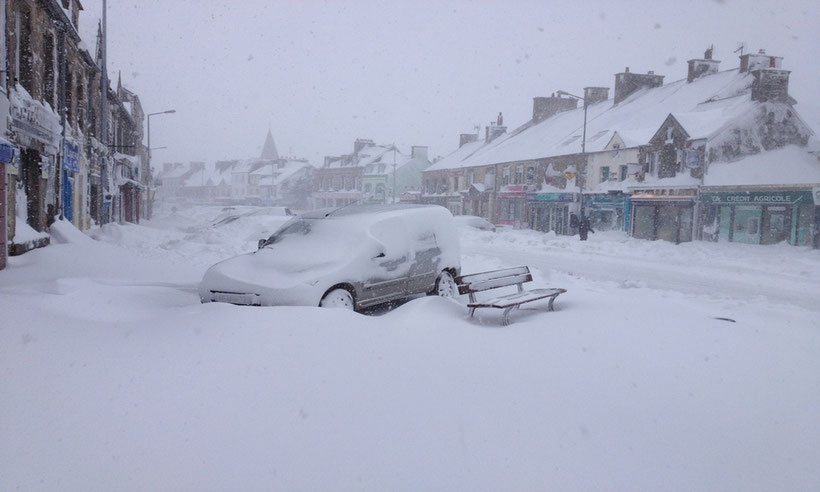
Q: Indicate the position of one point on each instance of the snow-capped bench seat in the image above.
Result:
(478, 282)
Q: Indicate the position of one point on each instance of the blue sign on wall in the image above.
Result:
(71, 156)
(7, 153)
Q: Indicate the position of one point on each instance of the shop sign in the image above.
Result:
(756, 198)
(71, 156)
(608, 199)
(31, 119)
(555, 197)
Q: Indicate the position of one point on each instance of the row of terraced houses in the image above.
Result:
(70, 144)
(718, 156)
(722, 155)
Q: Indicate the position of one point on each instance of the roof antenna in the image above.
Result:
(741, 46)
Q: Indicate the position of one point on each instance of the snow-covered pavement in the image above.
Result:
(114, 377)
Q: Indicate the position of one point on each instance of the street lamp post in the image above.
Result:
(148, 119)
(583, 148)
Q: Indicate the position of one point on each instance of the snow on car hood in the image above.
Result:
(325, 247)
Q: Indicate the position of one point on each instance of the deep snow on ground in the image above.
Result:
(114, 377)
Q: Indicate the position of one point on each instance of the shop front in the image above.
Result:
(666, 214)
(35, 130)
(759, 217)
(608, 211)
(512, 201)
(71, 167)
(551, 212)
(477, 201)
(6, 159)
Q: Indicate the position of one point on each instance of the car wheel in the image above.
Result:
(446, 285)
(338, 298)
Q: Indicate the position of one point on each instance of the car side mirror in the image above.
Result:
(261, 243)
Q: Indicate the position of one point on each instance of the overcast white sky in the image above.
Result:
(415, 72)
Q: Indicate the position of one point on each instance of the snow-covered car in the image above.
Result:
(231, 214)
(354, 257)
(475, 222)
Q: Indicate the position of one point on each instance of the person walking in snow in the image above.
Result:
(583, 227)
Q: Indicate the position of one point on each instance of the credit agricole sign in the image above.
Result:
(757, 198)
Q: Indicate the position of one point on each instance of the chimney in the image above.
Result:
(703, 67)
(594, 95)
(361, 143)
(752, 61)
(770, 84)
(419, 152)
(465, 138)
(544, 107)
(627, 83)
(495, 129)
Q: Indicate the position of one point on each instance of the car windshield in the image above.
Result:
(295, 226)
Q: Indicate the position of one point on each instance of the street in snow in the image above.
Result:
(695, 365)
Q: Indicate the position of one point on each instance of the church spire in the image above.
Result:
(269, 149)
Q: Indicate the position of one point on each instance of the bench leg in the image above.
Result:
(472, 311)
(506, 320)
(549, 307)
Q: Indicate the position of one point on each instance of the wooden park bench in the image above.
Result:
(478, 282)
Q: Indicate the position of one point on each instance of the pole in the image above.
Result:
(394, 173)
(61, 104)
(104, 119)
(582, 175)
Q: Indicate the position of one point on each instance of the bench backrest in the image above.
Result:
(477, 282)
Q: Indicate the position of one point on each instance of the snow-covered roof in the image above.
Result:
(278, 174)
(459, 157)
(718, 97)
(376, 159)
(789, 165)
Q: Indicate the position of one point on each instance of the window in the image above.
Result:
(519, 174)
(48, 68)
(505, 176)
(623, 172)
(470, 177)
(604, 173)
(24, 59)
(652, 159)
(530, 175)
